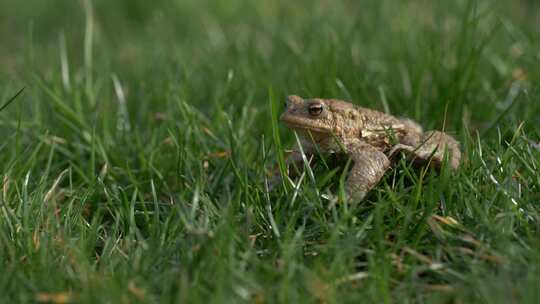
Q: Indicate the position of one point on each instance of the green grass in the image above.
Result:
(133, 166)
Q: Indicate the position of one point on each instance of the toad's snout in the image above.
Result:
(286, 116)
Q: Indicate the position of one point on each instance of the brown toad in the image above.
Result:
(370, 138)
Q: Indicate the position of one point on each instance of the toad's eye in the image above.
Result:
(315, 109)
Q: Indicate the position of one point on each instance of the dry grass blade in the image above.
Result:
(54, 187)
(55, 298)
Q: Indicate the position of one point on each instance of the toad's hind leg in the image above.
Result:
(369, 167)
(433, 147)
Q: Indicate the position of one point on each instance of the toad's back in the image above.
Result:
(383, 131)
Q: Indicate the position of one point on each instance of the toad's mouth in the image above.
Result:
(301, 123)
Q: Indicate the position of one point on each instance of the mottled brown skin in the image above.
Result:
(369, 137)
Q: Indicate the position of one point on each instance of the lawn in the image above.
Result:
(133, 166)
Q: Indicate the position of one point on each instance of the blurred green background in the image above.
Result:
(420, 54)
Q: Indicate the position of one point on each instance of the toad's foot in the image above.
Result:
(434, 147)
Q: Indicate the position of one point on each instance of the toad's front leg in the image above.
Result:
(369, 167)
(293, 165)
